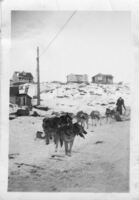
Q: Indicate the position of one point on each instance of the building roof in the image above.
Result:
(14, 91)
(18, 83)
(99, 74)
(24, 74)
(24, 94)
(77, 75)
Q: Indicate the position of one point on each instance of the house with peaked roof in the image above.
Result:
(102, 79)
(21, 78)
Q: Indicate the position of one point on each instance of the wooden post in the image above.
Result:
(38, 78)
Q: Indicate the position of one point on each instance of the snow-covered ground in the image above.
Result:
(74, 97)
(93, 167)
(99, 163)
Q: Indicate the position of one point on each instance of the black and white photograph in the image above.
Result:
(70, 101)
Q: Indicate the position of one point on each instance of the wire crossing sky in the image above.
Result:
(61, 29)
(83, 42)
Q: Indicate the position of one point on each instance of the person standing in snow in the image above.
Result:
(120, 104)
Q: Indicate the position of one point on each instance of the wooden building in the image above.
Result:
(21, 78)
(77, 78)
(24, 100)
(14, 92)
(102, 79)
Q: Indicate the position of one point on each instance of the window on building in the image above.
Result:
(100, 78)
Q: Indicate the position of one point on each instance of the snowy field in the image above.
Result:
(74, 97)
(99, 163)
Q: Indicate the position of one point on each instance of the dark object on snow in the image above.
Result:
(99, 142)
(111, 102)
(39, 135)
(23, 164)
(41, 108)
(13, 155)
(57, 114)
(22, 112)
(118, 117)
(11, 117)
(35, 114)
(103, 104)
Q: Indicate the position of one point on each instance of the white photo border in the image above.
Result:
(60, 5)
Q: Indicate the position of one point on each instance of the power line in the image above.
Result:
(61, 29)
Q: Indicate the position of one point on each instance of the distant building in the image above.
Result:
(21, 78)
(77, 78)
(102, 79)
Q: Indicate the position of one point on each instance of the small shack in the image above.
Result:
(24, 100)
(102, 79)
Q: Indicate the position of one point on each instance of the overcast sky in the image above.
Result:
(92, 42)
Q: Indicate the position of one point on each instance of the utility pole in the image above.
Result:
(38, 78)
